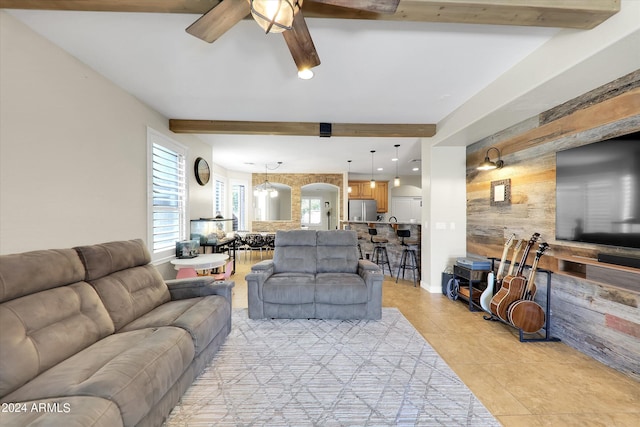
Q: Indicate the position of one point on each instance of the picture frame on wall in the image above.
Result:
(500, 192)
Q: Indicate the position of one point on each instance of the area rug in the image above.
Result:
(328, 373)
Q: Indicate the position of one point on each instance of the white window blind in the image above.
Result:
(239, 207)
(220, 197)
(168, 196)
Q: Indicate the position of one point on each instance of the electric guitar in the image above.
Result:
(487, 294)
(526, 314)
(512, 286)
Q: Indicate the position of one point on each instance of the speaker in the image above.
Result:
(619, 260)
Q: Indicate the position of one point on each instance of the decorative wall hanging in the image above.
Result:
(501, 192)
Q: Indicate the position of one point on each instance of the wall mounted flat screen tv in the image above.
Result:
(598, 192)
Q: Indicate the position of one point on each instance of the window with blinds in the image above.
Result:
(168, 195)
(239, 208)
(219, 206)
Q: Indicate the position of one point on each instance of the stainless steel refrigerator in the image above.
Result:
(363, 210)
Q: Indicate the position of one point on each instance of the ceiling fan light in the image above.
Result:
(275, 16)
(305, 74)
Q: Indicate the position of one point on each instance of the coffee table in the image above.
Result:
(187, 266)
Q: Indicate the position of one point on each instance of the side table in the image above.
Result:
(187, 266)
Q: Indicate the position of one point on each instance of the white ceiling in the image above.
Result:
(371, 72)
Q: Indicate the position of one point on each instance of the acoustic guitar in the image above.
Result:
(512, 286)
(516, 251)
(487, 294)
(527, 314)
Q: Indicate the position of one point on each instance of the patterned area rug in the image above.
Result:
(328, 373)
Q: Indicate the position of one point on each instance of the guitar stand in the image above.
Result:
(547, 312)
(547, 323)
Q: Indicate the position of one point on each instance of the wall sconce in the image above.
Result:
(488, 164)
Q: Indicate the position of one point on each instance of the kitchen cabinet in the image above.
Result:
(360, 190)
(406, 208)
(381, 195)
(363, 190)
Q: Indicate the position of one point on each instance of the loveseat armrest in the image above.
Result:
(373, 277)
(265, 265)
(366, 265)
(259, 274)
(199, 287)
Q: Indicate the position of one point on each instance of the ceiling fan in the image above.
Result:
(276, 16)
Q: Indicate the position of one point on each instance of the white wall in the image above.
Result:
(73, 150)
(444, 212)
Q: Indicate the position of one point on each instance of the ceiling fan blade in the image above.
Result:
(213, 24)
(377, 6)
(301, 45)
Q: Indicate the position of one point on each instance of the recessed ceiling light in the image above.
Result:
(395, 159)
(380, 169)
(415, 169)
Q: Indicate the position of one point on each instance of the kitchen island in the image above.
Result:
(386, 230)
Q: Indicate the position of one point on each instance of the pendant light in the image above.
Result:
(266, 188)
(396, 180)
(373, 181)
(349, 173)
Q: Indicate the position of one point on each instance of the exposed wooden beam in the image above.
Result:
(370, 130)
(152, 6)
(583, 14)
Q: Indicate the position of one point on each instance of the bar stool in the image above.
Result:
(408, 260)
(379, 255)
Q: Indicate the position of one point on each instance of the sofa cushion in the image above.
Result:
(47, 269)
(106, 258)
(202, 317)
(133, 369)
(127, 284)
(340, 288)
(295, 252)
(74, 411)
(45, 328)
(337, 251)
(131, 293)
(289, 288)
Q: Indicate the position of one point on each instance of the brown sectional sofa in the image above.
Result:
(93, 336)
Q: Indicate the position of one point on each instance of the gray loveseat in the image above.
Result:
(315, 274)
(93, 336)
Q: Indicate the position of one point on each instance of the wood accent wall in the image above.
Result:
(296, 181)
(600, 319)
(529, 157)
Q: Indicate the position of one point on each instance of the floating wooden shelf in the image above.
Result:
(602, 273)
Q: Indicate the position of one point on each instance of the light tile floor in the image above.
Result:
(522, 384)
